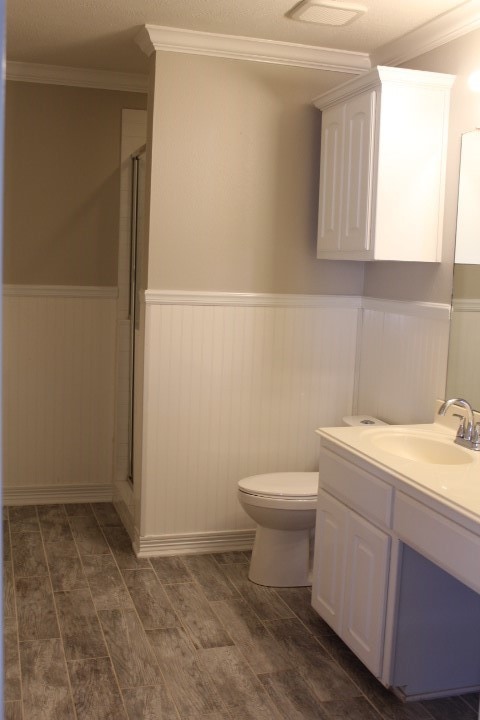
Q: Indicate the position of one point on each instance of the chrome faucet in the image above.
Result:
(468, 433)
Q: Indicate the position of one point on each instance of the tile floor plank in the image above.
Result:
(262, 651)
(95, 690)
(453, 708)
(210, 576)
(323, 675)
(131, 653)
(37, 619)
(66, 570)
(79, 625)
(88, 536)
(263, 600)
(197, 616)
(78, 509)
(46, 691)
(171, 569)
(299, 600)
(150, 599)
(106, 584)
(13, 710)
(236, 684)
(292, 696)
(148, 703)
(191, 689)
(106, 514)
(11, 669)
(8, 590)
(53, 523)
(121, 547)
(28, 555)
(23, 518)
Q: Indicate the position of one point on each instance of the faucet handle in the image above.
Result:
(476, 436)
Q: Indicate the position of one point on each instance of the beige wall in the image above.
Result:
(433, 283)
(235, 158)
(62, 154)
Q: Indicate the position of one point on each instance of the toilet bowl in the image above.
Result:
(284, 506)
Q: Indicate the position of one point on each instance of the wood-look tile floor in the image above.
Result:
(93, 633)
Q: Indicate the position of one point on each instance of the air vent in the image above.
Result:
(325, 12)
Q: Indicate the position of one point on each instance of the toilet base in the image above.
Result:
(281, 558)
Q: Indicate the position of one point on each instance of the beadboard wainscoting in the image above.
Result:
(234, 385)
(402, 359)
(58, 393)
(463, 371)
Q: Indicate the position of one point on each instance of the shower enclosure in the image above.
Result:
(136, 234)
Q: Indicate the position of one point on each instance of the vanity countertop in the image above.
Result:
(450, 489)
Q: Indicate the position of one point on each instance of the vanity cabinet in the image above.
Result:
(382, 166)
(352, 552)
(350, 578)
(391, 572)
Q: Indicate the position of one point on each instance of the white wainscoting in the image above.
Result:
(58, 393)
(463, 369)
(234, 385)
(402, 362)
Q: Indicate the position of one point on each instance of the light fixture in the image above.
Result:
(474, 81)
(327, 12)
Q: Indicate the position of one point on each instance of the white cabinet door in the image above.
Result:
(329, 560)
(367, 552)
(350, 574)
(357, 173)
(331, 175)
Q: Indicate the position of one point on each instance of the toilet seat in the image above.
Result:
(283, 485)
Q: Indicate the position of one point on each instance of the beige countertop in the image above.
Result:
(450, 489)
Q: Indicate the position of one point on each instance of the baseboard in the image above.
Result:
(193, 543)
(55, 494)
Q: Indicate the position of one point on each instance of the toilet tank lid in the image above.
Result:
(285, 484)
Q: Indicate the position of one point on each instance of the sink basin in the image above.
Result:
(423, 449)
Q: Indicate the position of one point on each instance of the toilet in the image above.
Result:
(283, 504)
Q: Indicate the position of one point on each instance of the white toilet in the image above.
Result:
(284, 506)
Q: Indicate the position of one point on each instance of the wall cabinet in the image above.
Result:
(382, 166)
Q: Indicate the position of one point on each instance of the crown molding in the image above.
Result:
(443, 29)
(77, 77)
(152, 38)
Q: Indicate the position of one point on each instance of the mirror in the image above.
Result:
(463, 377)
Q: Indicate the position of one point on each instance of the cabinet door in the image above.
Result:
(358, 173)
(368, 552)
(331, 168)
(329, 560)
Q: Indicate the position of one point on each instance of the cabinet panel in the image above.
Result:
(367, 565)
(362, 491)
(331, 163)
(357, 173)
(329, 559)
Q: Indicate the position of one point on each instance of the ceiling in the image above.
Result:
(100, 34)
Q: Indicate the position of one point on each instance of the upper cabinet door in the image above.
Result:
(331, 174)
(382, 166)
(357, 173)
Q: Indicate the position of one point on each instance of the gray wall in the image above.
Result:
(62, 150)
(235, 162)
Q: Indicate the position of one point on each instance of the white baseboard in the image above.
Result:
(54, 494)
(194, 543)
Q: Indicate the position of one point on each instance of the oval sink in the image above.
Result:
(423, 449)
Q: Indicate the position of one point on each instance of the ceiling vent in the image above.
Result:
(327, 12)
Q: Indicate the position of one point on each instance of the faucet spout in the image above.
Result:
(467, 429)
